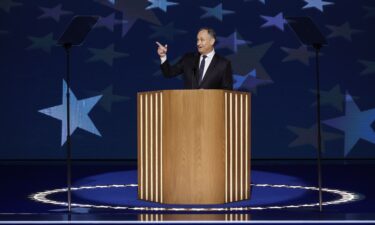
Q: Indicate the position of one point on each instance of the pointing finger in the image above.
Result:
(160, 45)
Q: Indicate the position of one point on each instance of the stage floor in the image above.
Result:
(282, 190)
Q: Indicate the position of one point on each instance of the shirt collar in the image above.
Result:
(210, 55)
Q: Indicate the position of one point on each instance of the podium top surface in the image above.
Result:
(196, 90)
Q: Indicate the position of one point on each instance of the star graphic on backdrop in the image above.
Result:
(356, 124)
(344, 31)
(262, 1)
(4, 32)
(106, 55)
(274, 21)
(54, 12)
(45, 43)
(108, 22)
(334, 97)
(301, 54)
(370, 11)
(7, 5)
(248, 82)
(79, 110)
(370, 67)
(132, 10)
(246, 59)
(318, 4)
(168, 31)
(216, 12)
(161, 4)
(308, 136)
(108, 98)
(231, 42)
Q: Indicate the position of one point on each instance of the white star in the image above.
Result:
(79, 110)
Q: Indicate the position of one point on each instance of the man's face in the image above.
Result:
(205, 42)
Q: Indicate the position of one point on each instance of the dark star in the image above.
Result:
(343, 30)
(54, 13)
(308, 136)
(248, 58)
(301, 54)
(7, 5)
(108, 98)
(106, 55)
(168, 31)
(132, 10)
(45, 43)
(370, 67)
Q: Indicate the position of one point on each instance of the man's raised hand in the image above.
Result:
(162, 50)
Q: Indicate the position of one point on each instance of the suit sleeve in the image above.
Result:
(227, 82)
(172, 70)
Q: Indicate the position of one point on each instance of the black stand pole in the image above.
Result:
(319, 137)
(310, 35)
(67, 47)
(74, 35)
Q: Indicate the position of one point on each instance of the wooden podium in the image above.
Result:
(194, 146)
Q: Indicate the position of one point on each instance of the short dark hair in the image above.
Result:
(210, 31)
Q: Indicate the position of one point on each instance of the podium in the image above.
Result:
(194, 146)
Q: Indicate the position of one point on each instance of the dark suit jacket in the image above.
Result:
(218, 74)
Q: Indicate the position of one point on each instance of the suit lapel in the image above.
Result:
(196, 70)
(210, 69)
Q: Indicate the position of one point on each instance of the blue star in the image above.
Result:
(238, 81)
(318, 4)
(230, 42)
(79, 110)
(249, 82)
(276, 21)
(356, 124)
(262, 1)
(217, 12)
(161, 4)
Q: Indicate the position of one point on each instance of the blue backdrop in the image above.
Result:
(118, 59)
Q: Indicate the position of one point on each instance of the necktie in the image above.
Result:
(201, 68)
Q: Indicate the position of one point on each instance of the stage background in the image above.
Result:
(118, 59)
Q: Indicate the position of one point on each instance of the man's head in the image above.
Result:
(205, 40)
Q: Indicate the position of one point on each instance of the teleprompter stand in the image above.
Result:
(74, 35)
(310, 35)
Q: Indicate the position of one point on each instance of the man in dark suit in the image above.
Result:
(202, 70)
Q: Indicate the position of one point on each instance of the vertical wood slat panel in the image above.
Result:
(247, 143)
(140, 146)
(150, 146)
(152, 169)
(236, 194)
(231, 160)
(237, 146)
(243, 143)
(226, 144)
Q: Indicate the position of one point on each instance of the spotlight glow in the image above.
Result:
(344, 197)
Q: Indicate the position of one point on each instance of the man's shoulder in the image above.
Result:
(190, 55)
(222, 58)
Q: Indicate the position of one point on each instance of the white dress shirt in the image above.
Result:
(208, 61)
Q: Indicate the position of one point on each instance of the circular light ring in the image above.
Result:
(345, 197)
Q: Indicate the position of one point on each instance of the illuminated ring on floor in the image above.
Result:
(345, 197)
